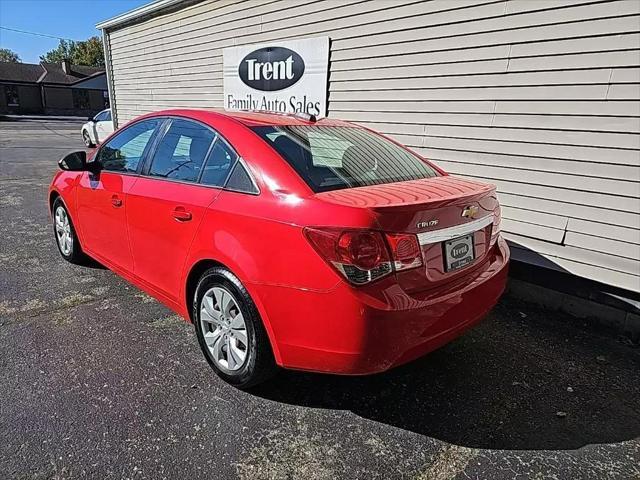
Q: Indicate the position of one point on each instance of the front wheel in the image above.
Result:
(66, 237)
(230, 330)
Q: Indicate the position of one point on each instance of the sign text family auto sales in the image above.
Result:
(288, 76)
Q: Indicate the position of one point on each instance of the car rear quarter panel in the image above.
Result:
(260, 239)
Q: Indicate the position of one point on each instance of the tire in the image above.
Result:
(86, 138)
(65, 235)
(257, 364)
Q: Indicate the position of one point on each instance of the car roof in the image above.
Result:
(249, 118)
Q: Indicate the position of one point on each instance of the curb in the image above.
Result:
(29, 118)
(598, 308)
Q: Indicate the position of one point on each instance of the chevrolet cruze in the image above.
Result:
(311, 245)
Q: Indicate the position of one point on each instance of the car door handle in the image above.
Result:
(116, 202)
(181, 215)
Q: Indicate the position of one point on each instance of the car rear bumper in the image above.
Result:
(347, 331)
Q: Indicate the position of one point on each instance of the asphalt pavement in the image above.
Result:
(98, 380)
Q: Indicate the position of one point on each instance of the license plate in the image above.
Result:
(458, 252)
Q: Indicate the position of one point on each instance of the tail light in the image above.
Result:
(405, 250)
(363, 256)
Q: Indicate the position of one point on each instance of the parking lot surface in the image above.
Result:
(98, 380)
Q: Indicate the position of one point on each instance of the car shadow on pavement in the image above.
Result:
(522, 380)
(94, 264)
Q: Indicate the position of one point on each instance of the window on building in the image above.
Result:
(124, 152)
(11, 95)
(81, 99)
(182, 151)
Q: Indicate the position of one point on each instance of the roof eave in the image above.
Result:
(44, 73)
(144, 10)
(88, 77)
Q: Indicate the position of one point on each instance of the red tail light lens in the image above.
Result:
(363, 249)
(360, 255)
(363, 256)
(405, 250)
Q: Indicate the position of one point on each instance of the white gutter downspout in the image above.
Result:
(108, 71)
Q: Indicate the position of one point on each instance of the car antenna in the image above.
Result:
(306, 116)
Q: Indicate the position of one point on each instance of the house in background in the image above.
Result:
(52, 89)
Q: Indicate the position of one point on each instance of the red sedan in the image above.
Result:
(312, 245)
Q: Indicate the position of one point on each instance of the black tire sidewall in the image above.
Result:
(75, 256)
(86, 138)
(256, 365)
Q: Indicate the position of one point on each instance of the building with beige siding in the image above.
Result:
(540, 97)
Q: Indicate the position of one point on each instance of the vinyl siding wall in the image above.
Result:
(540, 97)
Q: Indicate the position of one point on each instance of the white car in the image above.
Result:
(97, 128)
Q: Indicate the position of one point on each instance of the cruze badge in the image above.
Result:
(430, 223)
(470, 212)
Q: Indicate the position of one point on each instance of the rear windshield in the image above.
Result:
(331, 158)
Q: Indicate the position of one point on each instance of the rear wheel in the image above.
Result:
(65, 234)
(230, 331)
(87, 139)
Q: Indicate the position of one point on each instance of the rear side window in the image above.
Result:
(221, 160)
(332, 157)
(182, 151)
(240, 181)
(124, 152)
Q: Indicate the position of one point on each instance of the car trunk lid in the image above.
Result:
(455, 220)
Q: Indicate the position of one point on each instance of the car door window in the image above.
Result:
(182, 151)
(101, 117)
(124, 152)
(219, 164)
(107, 116)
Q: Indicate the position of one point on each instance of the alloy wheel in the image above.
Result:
(224, 329)
(85, 137)
(63, 231)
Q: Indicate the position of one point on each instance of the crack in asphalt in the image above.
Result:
(41, 311)
(22, 179)
(44, 125)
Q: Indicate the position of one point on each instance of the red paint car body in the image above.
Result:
(272, 241)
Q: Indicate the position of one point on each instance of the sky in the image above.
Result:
(71, 19)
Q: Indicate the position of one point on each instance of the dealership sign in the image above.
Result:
(287, 76)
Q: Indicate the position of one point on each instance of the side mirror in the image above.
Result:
(74, 161)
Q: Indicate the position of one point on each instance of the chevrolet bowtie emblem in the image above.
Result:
(470, 212)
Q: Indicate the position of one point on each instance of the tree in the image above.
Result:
(7, 55)
(88, 52)
(61, 52)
